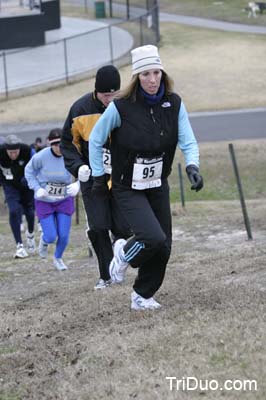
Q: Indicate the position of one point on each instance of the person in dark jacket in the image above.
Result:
(101, 211)
(38, 144)
(147, 122)
(14, 156)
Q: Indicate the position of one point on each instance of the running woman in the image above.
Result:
(147, 121)
(53, 191)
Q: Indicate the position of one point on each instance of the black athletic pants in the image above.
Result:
(19, 201)
(102, 216)
(149, 216)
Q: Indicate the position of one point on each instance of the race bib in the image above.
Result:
(7, 173)
(107, 161)
(147, 173)
(56, 190)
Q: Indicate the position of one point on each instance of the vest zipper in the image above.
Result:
(152, 116)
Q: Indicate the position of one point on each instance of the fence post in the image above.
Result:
(86, 6)
(111, 8)
(66, 64)
(5, 74)
(77, 209)
(241, 194)
(110, 43)
(181, 185)
(128, 12)
(157, 21)
(141, 31)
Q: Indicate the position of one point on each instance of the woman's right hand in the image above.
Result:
(40, 193)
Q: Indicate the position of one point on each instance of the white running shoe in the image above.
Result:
(118, 266)
(31, 245)
(139, 303)
(59, 264)
(102, 284)
(20, 252)
(43, 248)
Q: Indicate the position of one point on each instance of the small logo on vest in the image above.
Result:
(166, 104)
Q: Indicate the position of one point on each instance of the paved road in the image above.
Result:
(208, 127)
(229, 125)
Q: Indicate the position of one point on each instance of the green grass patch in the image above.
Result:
(219, 178)
(9, 396)
(189, 37)
(7, 350)
(3, 275)
(76, 11)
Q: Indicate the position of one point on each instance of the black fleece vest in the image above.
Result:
(145, 131)
(17, 166)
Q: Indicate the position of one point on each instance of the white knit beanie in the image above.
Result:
(145, 58)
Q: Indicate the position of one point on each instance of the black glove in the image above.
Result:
(99, 185)
(194, 177)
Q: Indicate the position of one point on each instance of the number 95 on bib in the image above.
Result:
(147, 173)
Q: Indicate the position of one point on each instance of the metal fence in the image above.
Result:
(67, 60)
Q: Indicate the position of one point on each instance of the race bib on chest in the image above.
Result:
(56, 190)
(147, 173)
(7, 173)
(107, 161)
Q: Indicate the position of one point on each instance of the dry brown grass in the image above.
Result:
(61, 340)
(217, 70)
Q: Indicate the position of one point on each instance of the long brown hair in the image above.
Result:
(130, 91)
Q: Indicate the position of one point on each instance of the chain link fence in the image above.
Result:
(74, 58)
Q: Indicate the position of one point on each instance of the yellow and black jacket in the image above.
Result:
(81, 118)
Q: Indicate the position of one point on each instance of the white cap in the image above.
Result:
(145, 58)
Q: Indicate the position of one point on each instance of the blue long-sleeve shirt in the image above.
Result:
(110, 120)
(43, 168)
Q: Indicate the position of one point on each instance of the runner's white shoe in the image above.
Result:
(59, 264)
(139, 303)
(20, 252)
(118, 266)
(43, 248)
(31, 246)
(102, 284)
